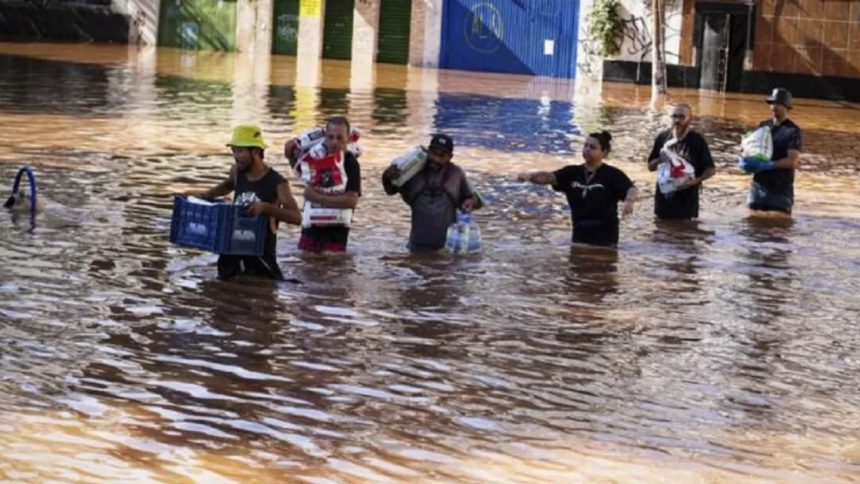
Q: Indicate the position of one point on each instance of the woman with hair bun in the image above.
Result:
(593, 191)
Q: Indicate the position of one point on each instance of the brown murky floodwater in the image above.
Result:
(728, 350)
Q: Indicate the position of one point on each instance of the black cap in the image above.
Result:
(780, 96)
(442, 141)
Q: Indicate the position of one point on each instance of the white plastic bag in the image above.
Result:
(673, 172)
(315, 137)
(409, 164)
(758, 144)
(316, 216)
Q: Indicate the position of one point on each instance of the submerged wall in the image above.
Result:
(63, 21)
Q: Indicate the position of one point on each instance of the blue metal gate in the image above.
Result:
(516, 36)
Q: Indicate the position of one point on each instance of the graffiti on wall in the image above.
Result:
(636, 41)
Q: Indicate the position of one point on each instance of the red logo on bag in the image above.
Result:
(326, 172)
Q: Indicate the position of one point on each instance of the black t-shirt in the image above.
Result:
(338, 235)
(593, 200)
(786, 136)
(246, 192)
(683, 204)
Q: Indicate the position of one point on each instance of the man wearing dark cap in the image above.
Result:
(773, 183)
(434, 194)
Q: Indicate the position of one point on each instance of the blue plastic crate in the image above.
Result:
(220, 228)
(247, 234)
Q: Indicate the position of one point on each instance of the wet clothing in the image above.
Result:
(246, 192)
(333, 238)
(593, 199)
(774, 189)
(682, 204)
(434, 195)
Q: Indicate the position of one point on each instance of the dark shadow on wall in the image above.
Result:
(60, 21)
(483, 51)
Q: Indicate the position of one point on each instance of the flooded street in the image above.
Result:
(725, 350)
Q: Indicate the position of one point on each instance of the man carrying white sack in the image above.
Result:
(773, 183)
(675, 152)
(434, 194)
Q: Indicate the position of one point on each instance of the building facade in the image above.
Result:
(809, 46)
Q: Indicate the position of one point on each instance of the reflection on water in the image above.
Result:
(724, 349)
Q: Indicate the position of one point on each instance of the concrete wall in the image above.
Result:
(143, 20)
(425, 33)
(254, 26)
(365, 24)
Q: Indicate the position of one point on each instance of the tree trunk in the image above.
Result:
(658, 49)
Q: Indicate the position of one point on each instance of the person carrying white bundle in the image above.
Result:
(333, 178)
(684, 162)
(772, 188)
(434, 194)
(296, 148)
(326, 173)
(674, 172)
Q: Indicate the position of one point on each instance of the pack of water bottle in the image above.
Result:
(464, 236)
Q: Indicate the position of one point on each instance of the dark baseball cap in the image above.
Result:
(442, 141)
(780, 96)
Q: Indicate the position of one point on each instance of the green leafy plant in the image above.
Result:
(606, 26)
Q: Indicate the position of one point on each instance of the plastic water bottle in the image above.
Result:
(464, 236)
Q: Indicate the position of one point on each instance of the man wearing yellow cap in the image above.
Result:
(264, 192)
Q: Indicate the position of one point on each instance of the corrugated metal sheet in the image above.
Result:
(337, 32)
(515, 36)
(394, 20)
(285, 34)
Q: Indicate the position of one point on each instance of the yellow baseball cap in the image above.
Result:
(247, 136)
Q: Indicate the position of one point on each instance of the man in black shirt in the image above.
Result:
(264, 192)
(690, 145)
(773, 183)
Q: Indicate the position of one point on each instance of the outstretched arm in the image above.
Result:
(539, 177)
(225, 187)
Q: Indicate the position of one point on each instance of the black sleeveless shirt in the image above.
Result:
(246, 192)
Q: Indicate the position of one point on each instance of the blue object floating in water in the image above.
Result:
(25, 170)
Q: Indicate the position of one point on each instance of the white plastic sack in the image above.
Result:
(758, 144)
(316, 216)
(315, 137)
(673, 172)
(409, 164)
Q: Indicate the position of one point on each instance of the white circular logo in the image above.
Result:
(484, 29)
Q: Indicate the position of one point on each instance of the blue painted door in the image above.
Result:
(516, 36)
